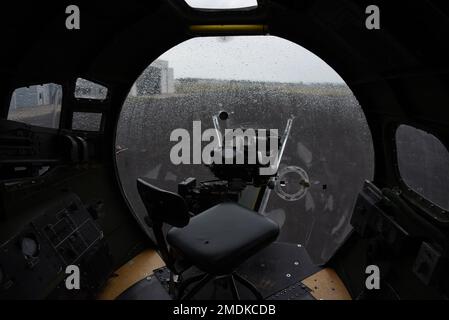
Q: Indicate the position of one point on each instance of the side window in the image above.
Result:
(86, 121)
(85, 89)
(423, 164)
(38, 105)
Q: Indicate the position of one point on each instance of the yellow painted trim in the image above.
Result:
(131, 272)
(327, 285)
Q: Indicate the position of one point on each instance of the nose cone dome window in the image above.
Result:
(261, 82)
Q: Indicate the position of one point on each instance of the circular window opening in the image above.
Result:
(260, 82)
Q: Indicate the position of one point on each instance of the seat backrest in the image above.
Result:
(162, 205)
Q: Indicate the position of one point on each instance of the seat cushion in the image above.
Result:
(222, 237)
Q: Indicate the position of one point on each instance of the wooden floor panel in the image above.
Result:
(134, 270)
(324, 285)
(327, 285)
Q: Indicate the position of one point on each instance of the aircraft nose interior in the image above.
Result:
(179, 150)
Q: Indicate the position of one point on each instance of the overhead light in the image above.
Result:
(222, 4)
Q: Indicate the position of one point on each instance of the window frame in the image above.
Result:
(88, 105)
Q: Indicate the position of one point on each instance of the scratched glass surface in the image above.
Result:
(262, 80)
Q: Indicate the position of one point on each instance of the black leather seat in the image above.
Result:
(216, 241)
(219, 239)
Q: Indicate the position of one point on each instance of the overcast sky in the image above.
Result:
(265, 58)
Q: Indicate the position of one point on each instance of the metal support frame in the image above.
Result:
(202, 279)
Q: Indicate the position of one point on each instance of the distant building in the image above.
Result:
(38, 95)
(156, 79)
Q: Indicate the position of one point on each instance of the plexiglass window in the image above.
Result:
(423, 164)
(85, 89)
(260, 82)
(38, 105)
